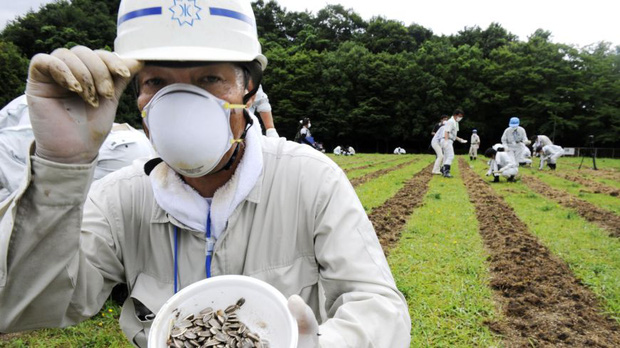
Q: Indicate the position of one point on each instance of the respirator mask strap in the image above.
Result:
(248, 123)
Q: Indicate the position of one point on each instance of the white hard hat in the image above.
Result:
(188, 30)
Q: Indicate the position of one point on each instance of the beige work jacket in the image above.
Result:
(302, 229)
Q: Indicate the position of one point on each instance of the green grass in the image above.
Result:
(101, 331)
(590, 252)
(374, 193)
(439, 265)
(379, 166)
(358, 160)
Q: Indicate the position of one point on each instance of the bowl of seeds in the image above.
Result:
(225, 311)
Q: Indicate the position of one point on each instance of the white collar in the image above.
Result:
(187, 206)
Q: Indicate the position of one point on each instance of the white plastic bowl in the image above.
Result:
(264, 312)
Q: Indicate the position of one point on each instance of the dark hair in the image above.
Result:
(490, 152)
(444, 117)
(539, 148)
(458, 112)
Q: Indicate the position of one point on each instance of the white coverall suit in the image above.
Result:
(541, 140)
(451, 128)
(550, 153)
(475, 144)
(512, 139)
(436, 145)
(122, 146)
(504, 164)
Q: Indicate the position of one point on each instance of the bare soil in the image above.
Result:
(542, 302)
(591, 186)
(603, 173)
(390, 218)
(604, 218)
(362, 179)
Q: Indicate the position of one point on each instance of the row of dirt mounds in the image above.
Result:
(543, 304)
(390, 218)
(592, 186)
(362, 179)
(368, 165)
(604, 218)
(602, 173)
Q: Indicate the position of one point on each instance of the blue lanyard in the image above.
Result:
(210, 246)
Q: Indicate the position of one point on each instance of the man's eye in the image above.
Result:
(211, 79)
(154, 82)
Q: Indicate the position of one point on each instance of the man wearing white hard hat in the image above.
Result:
(513, 138)
(221, 199)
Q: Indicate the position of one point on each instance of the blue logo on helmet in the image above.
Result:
(185, 11)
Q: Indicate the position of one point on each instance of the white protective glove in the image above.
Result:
(272, 133)
(72, 99)
(306, 322)
(462, 141)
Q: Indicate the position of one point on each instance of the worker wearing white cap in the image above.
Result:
(474, 145)
(512, 139)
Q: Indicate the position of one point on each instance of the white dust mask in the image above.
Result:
(189, 128)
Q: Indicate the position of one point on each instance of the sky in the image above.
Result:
(579, 23)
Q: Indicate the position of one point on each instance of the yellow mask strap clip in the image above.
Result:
(234, 106)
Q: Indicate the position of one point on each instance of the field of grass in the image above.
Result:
(440, 263)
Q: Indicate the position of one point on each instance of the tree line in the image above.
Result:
(377, 84)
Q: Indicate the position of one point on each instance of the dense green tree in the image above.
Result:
(376, 84)
(13, 72)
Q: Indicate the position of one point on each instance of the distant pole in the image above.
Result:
(553, 136)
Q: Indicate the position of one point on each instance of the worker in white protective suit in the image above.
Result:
(263, 108)
(399, 151)
(539, 141)
(474, 145)
(526, 155)
(512, 139)
(121, 147)
(451, 129)
(436, 145)
(338, 150)
(501, 163)
(220, 199)
(549, 154)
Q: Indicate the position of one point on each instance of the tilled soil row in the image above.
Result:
(604, 218)
(592, 186)
(602, 173)
(390, 218)
(362, 179)
(368, 165)
(543, 304)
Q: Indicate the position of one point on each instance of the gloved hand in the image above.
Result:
(69, 119)
(462, 141)
(306, 322)
(272, 133)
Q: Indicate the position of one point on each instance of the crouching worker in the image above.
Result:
(501, 163)
(549, 154)
(222, 199)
